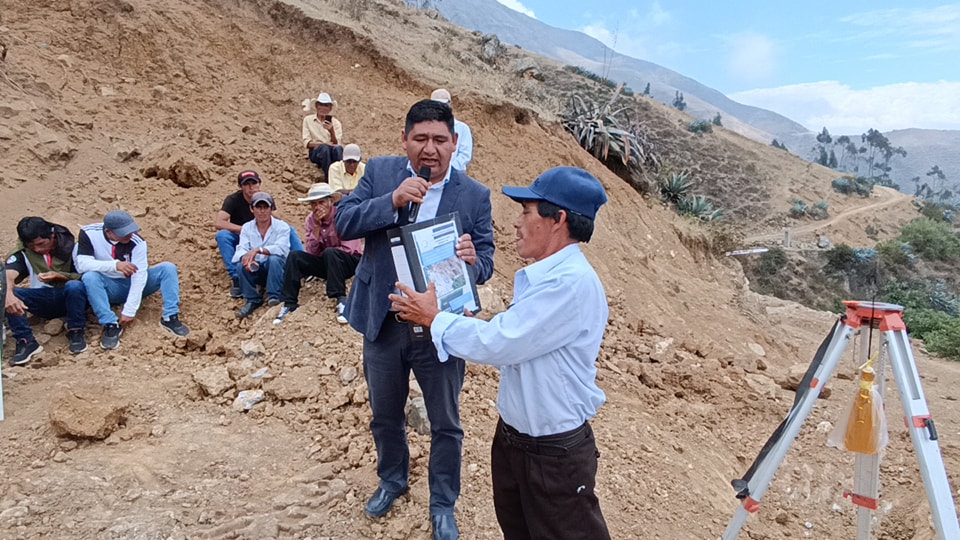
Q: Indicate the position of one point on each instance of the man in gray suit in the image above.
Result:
(383, 200)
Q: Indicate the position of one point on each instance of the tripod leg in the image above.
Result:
(756, 482)
(923, 433)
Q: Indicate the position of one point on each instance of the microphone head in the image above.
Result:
(424, 173)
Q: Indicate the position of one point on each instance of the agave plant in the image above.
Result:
(699, 207)
(608, 132)
(675, 188)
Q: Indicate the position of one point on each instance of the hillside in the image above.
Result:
(125, 103)
(925, 148)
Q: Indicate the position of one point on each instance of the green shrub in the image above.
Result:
(699, 127)
(863, 186)
(922, 322)
(799, 208)
(842, 185)
(819, 210)
(945, 340)
(895, 256)
(932, 240)
(769, 275)
(912, 295)
(841, 260)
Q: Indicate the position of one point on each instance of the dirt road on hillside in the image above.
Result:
(887, 198)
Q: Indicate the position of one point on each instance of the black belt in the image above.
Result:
(559, 444)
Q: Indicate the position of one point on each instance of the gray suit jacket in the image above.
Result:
(368, 213)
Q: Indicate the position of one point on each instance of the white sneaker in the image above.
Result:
(340, 318)
(284, 311)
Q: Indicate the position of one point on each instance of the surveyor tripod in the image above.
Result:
(889, 318)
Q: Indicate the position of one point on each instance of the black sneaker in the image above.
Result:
(247, 309)
(111, 336)
(78, 343)
(174, 325)
(235, 291)
(25, 351)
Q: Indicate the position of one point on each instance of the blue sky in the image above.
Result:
(848, 66)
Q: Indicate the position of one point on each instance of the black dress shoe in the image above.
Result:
(380, 503)
(247, 310)
(444, 527)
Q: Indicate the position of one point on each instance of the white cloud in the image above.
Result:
(517, 6)
(936, 28)
(658, 16)
(752, 56)
(844, 110)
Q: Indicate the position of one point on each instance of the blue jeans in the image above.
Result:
(50, 303)
(103, 291)
(227, 243)
(269, 274)
(387, 363)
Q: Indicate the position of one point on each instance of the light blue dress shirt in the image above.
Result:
(464, 151)
(276, 241)
(545, 344)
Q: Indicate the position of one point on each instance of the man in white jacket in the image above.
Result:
(112, 259)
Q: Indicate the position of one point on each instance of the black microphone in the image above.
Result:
(415, 207)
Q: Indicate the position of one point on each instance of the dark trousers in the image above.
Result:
(333, 265)
(543, 487)
(386, 366)
(325, 154)
(69, 301)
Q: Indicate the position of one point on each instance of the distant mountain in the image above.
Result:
(579, 49)
(925, 148)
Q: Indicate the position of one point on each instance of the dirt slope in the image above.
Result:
(103, 101)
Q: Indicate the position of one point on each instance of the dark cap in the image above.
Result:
(262, 196)
(572, 189)
(247, 177)
(120, 223)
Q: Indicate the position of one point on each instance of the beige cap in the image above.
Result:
(442, 95)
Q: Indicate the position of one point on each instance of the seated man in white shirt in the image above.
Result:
(345, 175)
(261, 254)
(464, 154)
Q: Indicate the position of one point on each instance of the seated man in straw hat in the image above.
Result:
(322, 134)
(327, 256)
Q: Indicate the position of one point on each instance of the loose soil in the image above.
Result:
(153, 107)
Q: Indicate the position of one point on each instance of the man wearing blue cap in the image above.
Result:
(544, 456)
(112, 260)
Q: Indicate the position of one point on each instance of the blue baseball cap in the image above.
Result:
(572, 189)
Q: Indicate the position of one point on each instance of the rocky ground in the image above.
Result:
(154, 108)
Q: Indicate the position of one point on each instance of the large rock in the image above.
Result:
(296, 384)
(213, 380)
(171, 163)
(91, 412)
